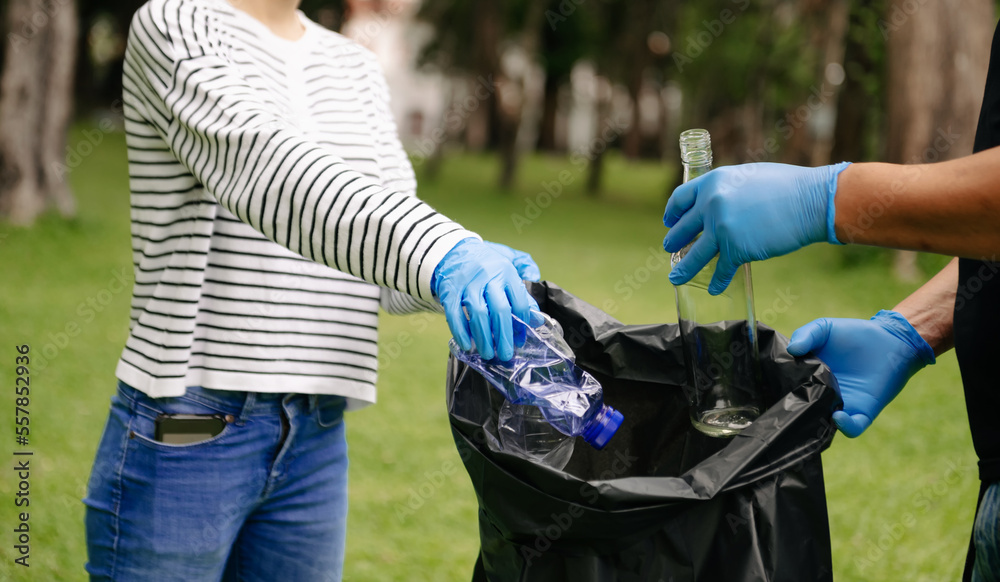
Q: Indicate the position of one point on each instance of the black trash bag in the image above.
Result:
(662, 502)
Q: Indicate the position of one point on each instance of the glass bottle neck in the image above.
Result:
(692, 171)
(696, 153)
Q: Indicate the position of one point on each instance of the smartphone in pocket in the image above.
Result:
(181, 429)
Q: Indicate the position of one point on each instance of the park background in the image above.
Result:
(547, 125)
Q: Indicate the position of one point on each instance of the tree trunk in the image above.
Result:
(84, 86)
(640, 15)
(595, 173)
(595, 169)
(826, 22)
(937, 59)
(831, 44)
(35, 108)
(58, 107)
(512, 99)
(488, 34)
(508, 151)
(550, 109)
(632, 142)
(21, 197)
(854, 105)
(503, 120)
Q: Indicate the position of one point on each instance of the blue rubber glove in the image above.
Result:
(476, 277)
(525, 265)
(872, 361)
(748, 213)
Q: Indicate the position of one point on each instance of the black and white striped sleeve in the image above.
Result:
(396, 303)
(267, 173)
(397, 174)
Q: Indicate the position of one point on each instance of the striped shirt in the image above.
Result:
(273, 208)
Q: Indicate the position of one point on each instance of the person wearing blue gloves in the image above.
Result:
(274, 212)
(484, 280)
(756, 211)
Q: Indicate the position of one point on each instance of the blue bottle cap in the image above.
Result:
(604, 426)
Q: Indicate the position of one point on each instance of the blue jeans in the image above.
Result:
(264, 500)
(986, 537)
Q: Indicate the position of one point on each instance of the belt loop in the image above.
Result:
(251, 399)
(313, 400)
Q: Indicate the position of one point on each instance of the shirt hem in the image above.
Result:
(359, 394)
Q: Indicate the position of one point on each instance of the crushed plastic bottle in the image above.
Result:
(543, 376)
(525, 432)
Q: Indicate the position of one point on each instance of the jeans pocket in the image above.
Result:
(145, 409)
(986, 536)
(330, 411)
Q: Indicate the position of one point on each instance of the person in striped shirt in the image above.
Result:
(273, 211)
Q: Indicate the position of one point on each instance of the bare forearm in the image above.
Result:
(930, 309)
(950, 207)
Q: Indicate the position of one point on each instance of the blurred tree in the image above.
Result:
(99, 84)
(938, 55)
(471, 36)
(36, 106)
(746, 70)
(566, 38)
(630, 57)
(828, 21)
(48, 67)
(622, 55)
(859, 134)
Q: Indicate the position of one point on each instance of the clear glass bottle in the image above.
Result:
(719, 333)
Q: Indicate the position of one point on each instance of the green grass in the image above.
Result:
(908, 484)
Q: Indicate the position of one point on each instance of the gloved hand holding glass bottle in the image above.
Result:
(719, 332)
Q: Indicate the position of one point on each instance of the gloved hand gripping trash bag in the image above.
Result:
(662, 501)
